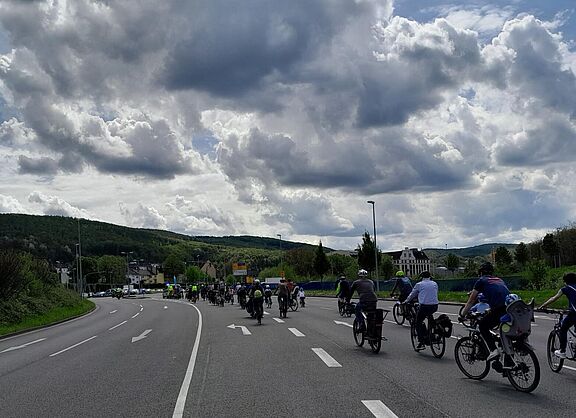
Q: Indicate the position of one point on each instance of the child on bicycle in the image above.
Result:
(569, 320)
(301, 295)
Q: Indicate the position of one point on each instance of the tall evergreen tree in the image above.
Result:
(321, 263)
(366, 253)
(521, 254)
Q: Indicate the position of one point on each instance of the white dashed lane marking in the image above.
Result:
(296, 332)
(73, 346)
(116, 326)
(379, 410)
(278, 320)
(326, 358)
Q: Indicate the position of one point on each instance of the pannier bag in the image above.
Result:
(445, 325)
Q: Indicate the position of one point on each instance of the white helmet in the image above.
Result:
(362, 273)
(267, 286)
(256, 281)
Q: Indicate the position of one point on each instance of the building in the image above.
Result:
(209, 269)
(147, 274)
(410, 260)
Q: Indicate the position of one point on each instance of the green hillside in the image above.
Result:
(55, 238)
(483, 250)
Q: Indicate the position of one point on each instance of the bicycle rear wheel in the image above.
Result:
(376, 342)
(398, 315)
(358, 335)
(525, 377)
(437, 340)
(341, 308)
(554, 362)
(293, 305)
(466, 353)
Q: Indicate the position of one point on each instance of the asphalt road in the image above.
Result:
(158, 358)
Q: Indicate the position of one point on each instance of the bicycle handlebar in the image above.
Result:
(552, 311)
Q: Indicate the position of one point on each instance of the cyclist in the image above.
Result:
(302, 296)
(257, 296)
(283, 295)
(427, 292)
(570, 319)
(495, 292)
(342, 290)
(366, 295)
(194, 292)
(402, 285)
(268, 295)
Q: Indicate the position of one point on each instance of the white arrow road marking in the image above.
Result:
(141, 336)
(296, 332)
(22, 346)
(379, 410)
(73, 346)
(278, 320)
(114, 311)
(116, 326)
(326, 358)
(343, 323)
(244, 329)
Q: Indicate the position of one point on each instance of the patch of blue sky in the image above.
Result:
(5, 45)
(561, 11)
(6, 112)
(205, 144)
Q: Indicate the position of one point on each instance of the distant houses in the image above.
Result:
(411, 261)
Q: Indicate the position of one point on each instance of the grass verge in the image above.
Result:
(52, 316)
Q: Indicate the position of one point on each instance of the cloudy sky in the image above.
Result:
(260, 117)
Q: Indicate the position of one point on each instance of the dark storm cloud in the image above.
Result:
(252, 42)
(40, 166)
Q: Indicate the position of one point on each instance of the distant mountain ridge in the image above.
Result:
(481, 250)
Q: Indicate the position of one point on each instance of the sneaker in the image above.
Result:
(493, 354)
(420, 346)
(560, 354)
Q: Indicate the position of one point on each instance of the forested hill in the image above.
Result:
(468, 252)
(55, 238)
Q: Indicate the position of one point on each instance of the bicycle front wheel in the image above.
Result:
(341, 308)
(437, 341)
(414, 337)
(398, 315)
(358, 335)
(466, 353)
(525, 377)
(554, 362)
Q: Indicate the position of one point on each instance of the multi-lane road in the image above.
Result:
(151, 357)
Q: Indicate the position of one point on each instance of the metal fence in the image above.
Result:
(444, 285)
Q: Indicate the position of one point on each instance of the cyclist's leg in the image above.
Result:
(485, 324)
(420, 327)
(567, 322)
(358, 313)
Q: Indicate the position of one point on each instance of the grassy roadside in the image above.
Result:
(540, 296)
(52, 316)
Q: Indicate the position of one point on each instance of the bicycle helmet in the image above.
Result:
(256, 281)
(267, 286)
(512, 297)
(400, 273)
(486, 268)
(362, 273)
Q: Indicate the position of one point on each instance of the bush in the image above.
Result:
(537, 273)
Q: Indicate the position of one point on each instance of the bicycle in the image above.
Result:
(402, 312)
(283, 305)
(341, 306)
(437, 331)
(521, 365)
(369, 328)
(268, 302)
(553, 344)
(293, 304)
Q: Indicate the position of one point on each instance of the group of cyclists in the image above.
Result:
(490, 298)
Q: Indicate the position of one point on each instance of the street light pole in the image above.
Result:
(127, 268)
(280, 237)
(80, 261)
(375, 246)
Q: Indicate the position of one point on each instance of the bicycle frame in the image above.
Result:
(571, 333)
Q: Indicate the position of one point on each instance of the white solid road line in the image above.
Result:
(135, 315)
(326, 358)
(22, 346)
(379, 410)
(73, 346)
(116, 326)
(181, 402)
(570, 368)
(296, 332)
(278, 320)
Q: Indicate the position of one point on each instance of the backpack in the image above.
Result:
(257, 293)
(445, 325)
